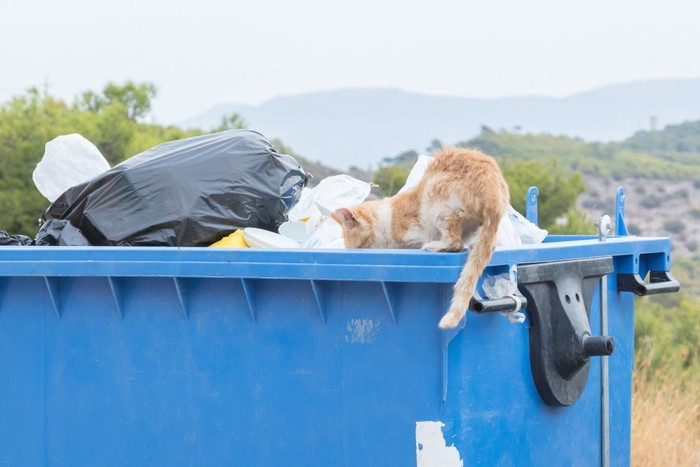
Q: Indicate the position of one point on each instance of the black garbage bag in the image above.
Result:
(14, 240)
(189, 192)
(56, 232)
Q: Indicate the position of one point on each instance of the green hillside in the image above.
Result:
(644, 155)
(672, 140)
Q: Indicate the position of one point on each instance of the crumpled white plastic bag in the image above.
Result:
(68, 160)
(316, 204)
(334, 192)
(528, 232)
(329, 234)
(507, 235)
(416, 172)
(305, 207)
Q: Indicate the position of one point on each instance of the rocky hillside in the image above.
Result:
(653, 208)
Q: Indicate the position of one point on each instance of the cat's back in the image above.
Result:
(467, 174)
(461, 161)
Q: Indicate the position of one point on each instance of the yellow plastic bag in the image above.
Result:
(235, 240)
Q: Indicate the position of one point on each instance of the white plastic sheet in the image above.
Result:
(505, 285)
(528, 232)
(334, 192)
(316, 204)
(68, 160)
(417, 172)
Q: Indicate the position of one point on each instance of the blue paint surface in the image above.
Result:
(162, 356)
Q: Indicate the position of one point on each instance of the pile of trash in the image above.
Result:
(189, 192)
(228, 190)
(311, 226)
(225, 190)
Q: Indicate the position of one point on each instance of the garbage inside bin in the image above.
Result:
(235, 240)
(328, 234)
(296, 230)
(13, 240)
(505, 286)
(56, 232)
(334, 192)
(316, 204)
(188, 192)
(53, 233)
(259, 238)
(68, 160)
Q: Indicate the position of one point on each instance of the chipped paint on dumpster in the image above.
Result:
(431, 448)
(361, 331)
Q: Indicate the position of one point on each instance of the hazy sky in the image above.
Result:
(203, 52)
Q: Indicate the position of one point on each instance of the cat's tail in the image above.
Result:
(479, 258)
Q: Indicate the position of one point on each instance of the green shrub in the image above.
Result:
(667, 335)
(633, 229)
(682, 194)
(651, 201)
(674, 226)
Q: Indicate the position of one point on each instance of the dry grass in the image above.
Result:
(665, 422)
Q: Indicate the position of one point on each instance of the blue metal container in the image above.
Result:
(163, 356)
(141, 356)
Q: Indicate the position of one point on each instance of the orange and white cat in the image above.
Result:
(462, 193)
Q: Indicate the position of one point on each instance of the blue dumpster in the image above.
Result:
(190, 356)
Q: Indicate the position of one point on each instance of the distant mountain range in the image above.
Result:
(359, 127)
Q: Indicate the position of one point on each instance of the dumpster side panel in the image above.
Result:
(494, 414)
(621, 327)
(23, 366)
(148, 383)
(391, 371)
(207, 388)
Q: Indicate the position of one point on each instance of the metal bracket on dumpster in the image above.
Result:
(620, 226)
(659, 282)
(531, 204)
(479, 305)
(559, 296)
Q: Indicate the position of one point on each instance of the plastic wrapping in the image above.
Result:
(316, 204)
(188, 192)
(57, 232)
(505, 285)
(235, 240)
(334, 192)
(14, 240)
(528, 232)
(68, 161)
(417, 172)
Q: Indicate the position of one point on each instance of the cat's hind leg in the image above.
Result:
(451, 229)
